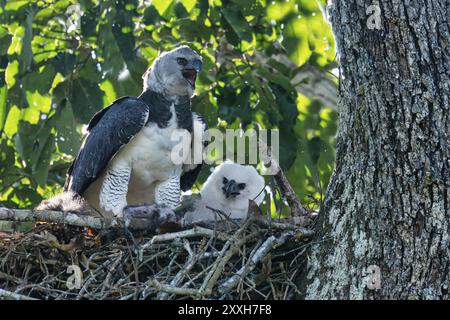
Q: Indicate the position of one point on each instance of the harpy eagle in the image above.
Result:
(126, 156)
(228, 189)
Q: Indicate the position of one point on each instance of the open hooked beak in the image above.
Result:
(191, 70)
(190, 75)
(231, 189)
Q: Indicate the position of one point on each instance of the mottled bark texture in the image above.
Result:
(387, 204)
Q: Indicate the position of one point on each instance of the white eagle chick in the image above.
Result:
(228, 189)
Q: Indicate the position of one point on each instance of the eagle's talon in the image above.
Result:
(155, 218)
(117, 211)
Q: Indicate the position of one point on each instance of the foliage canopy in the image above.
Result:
(61, 61)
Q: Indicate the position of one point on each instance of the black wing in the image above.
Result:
(108, 130)
(188, 178)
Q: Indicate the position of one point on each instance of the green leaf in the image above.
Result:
(26, 55)
(86, 99)
(7, 158)
(41, 167)
(188, 4)
(276, 78)
(90, 72)
(25, 141)
(151, 16)
(68, 139)
(12, 121)
(314, 147)
(65, 63)
(3, 106)
(250, 7)
(163, 6)
(180, 11)
(37, 104)
(89, 22)
(237, 22)
(40, 81)
(11, 73)
(122, 31)
(295, 40)
(5, 41)
(288, 147)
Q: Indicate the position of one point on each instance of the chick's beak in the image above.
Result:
(231, 189)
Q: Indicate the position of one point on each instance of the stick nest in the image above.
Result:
(254, 259)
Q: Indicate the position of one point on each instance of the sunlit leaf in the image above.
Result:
(162, 5)
(11, 72)
(3, 106)
(188, 4)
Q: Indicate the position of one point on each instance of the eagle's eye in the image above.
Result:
(241, 186)
(182, 61)
(225, 180)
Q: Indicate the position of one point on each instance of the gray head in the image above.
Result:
(173, 73)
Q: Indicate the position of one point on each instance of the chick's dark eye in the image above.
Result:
(225, 180)
(241, 186)
(182, 61)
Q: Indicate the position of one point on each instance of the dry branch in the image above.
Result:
(258, 255)
(68, 218)
(151, 222)
(190, 233)
(286, 188)
(199, 262)
(174, 290)
(7, 295)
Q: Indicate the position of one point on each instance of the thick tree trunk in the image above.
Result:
(387, 205)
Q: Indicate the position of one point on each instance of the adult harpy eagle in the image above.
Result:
(126, 156)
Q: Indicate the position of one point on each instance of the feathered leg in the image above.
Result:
(168, 192)
(113, 194)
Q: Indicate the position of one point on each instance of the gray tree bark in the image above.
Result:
(387, 204)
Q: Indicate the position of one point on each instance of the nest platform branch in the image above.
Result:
(75, 219)
(254, 260)
(68, 218)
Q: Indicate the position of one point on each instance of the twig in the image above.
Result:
(269, 162)
(229, 249)
(223, 215)
(194, 232)
(284, 227)
(271, 243)
(174, 290)
(8, 295)
(200, 262)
